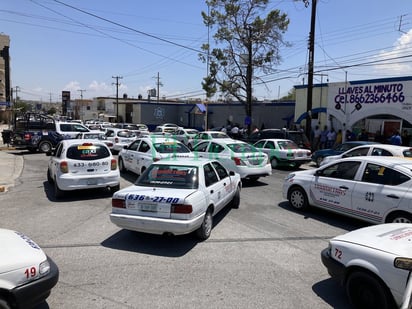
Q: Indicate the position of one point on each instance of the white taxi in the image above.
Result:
(119, 138)
(176, 197)
(27, 274)
(284, 151)
(374, 264)
(82, 164)
(240, 157)
(373, 189)
(145, 150)
(372, 150)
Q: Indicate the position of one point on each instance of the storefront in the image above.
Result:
(379, 105)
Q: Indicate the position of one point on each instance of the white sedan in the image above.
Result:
(373, 189)
(284, 151)
(374, 264)
(206, 135)
(240, 157)
(82, 164)
(138, 156)
(372, 150)
(27, 274)
(176, 197)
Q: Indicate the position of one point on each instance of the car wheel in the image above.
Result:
(235, 202)
(297, 198)
(115, 188)
(366, 291)
(274, 162)
(57, 192)
(204, 231)
(45, 146)
(49, 177)
(122, 169)
(4, 304)
(319, 161)
(399, 217)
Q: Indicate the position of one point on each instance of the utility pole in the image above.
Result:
(310, 68)
(158, 84)
(81, 102)
(117, 95)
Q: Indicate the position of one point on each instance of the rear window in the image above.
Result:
(240, 148)
(171, 147)
(170, 176)
(407, 153)
(87, 152)
(126, 134)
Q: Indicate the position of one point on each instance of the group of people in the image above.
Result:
(325, 138)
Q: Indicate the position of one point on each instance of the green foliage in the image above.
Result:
(248, 40)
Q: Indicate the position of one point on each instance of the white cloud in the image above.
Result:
(399, 65)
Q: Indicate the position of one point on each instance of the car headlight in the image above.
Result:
(403, 263)
(44, 267)
(290, 176)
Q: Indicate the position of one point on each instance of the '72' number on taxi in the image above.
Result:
(338, 253)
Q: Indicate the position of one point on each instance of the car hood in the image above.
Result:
(394, 238)
(18, 251)
(153, 191)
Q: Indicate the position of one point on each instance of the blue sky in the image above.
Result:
(56, 47)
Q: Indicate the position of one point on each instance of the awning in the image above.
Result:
(201, 107)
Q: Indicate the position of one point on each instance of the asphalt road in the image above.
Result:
(262, 255)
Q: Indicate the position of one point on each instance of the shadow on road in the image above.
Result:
(332, 293)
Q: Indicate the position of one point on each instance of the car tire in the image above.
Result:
(274, 162)
(57, 192)
(298, 198)
(399, 217)
(204, 231)
(122, 169)
(45, 146)
(49, 179)
(319, 161)
(235, 202)
(366, 291)
(4, 304)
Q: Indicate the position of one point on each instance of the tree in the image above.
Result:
(246, 43)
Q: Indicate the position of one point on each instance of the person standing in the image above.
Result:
(331, 136)
(395, 138)
(324, 138)
(316, 138)
(338, 140)
(405, 138)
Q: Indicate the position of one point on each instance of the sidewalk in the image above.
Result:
(11, 165)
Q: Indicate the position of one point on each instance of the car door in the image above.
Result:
(215, 187)
(144, 156)
(227, 182)
(333, 186)
(130, 156)
(200, 150)
(381, 189)
(55, 161)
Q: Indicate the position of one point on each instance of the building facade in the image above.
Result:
(379, 105)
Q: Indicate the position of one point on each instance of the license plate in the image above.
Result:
(92, 181)
(152, 207)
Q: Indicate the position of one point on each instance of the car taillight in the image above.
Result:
(118, 203)
(113, 164)
(181, 209)
(64, 167)
(27, 137)
(155, 159)
(238, 161)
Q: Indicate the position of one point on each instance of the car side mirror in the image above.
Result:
(232, 173)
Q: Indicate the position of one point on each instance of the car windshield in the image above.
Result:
(219, 135)
(287, 145)
(171, 147)
(95, 135)
(170, 176)
(242, 147)
(87, 152)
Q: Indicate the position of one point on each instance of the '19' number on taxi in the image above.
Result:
(30, 272)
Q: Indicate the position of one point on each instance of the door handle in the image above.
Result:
(393, 196)
(343, 187)
(211, 191)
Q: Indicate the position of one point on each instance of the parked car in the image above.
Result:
(373, 150)
(241, 157)
(27, 274)
(98, 135)
(82, 164)
(185, 134)
(284, 151)
(373, 189)
(206, 135)
(167, 128)
(137, 128)
(176, 197)
(374, 264)
(119, 138)
(138, 156)
(318, 155)
(298, 137)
